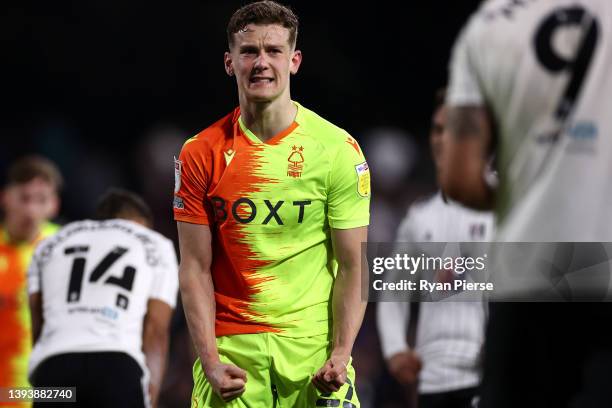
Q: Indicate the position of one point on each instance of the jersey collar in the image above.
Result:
(299, 120)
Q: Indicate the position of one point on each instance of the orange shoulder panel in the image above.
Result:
(195, 169)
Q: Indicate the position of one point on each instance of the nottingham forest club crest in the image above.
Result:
(296, 160)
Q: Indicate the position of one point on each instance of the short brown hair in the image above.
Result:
(263, 12)
(119, 203)
(27, 168)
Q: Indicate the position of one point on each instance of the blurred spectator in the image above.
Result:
(449, 335)
(392, 155)
(153, 163)
(29, 199)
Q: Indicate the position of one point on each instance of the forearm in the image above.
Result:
(198, 299)
(467, 184)
(348, 309)
(392, 320)
(36, 315)
(155, 347)
(467, 154)
(37, 324)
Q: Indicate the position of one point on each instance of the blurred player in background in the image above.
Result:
(449, 335)
(538, 76)
(102, 294)
(267, 200)
(29, 199)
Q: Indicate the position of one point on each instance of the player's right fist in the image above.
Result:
(227, 380)
(405, 366)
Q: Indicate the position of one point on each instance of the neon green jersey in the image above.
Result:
(270, 207)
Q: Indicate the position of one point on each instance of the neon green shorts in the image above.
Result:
(279, 370)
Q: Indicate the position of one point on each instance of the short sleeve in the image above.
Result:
(349, 187)
(191, 177)
(463, 87)
(165, 282)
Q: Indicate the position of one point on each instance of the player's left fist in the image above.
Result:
(332, 376)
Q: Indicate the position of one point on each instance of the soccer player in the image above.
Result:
(102, 293)
(449, 335)
(536, 75)
(29, 199)
(272, 204)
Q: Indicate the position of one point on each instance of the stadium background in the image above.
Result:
(110, 90)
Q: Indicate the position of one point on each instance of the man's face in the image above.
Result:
(262, 60)
(436, 139)
(27, 206)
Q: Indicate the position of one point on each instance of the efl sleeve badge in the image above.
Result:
(363, 179)
(177, 175)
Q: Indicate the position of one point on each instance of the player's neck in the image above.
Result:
(17, 235)
(268, 119)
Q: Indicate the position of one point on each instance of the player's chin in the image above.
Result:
(262, 95)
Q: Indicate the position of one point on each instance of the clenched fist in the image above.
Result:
(405, 367)
(227, 380)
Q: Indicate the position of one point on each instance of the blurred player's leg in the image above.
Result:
(101, 379)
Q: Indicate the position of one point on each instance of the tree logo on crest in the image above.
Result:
(295, 159)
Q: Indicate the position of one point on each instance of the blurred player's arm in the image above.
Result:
(36, 315)
(161, 302)
(198, 296)
(392, 318)
(35, 295)
(155, 343)
(469, 127)
(467, 156)
(347, 305)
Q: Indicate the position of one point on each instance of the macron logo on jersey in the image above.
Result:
(229, 155)
(353, 143)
